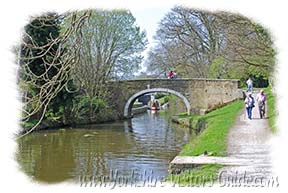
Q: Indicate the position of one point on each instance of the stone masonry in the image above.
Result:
(199, 95)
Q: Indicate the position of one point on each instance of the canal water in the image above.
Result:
(139, 148)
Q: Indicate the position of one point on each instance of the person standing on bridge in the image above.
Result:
(171, 74)
(174, 75)
(249, 103)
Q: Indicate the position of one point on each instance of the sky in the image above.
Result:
(15, 14)
(148, 20)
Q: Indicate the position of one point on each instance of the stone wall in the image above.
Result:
(201, 94)
(220, 92)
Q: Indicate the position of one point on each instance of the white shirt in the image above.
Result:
(248, 101)
(249, 82)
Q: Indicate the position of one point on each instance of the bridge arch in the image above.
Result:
(129, 103)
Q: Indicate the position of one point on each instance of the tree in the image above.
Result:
(44, 64)
(209, 45)
(110, 48)
(191, 38)
(39, 32)
(248, 47)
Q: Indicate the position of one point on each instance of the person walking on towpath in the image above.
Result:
(261, 100)
(249, 141)
(249, 83)
(249, 103)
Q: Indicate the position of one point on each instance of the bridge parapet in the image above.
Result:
(201, 94)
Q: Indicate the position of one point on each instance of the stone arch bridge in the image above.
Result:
(198, 95)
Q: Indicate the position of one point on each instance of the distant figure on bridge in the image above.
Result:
(249, 83)
(261, 100)
(249, 103)
(172, 75)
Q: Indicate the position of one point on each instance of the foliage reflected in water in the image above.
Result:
(146, 143)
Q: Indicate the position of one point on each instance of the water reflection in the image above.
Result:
(146, 143)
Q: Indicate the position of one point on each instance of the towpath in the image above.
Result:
(249, 139)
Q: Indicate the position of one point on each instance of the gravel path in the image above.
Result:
(248, 139)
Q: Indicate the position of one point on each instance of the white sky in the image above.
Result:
(148, 20)
(14, 15)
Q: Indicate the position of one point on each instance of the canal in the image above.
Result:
(139, 148)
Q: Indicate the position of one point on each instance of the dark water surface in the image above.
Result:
(141, 147)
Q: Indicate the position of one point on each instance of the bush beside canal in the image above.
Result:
(81, 110)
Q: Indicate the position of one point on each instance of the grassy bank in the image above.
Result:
(271, 112)
(212, 140)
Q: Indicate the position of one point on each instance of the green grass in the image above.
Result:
(271, 111)
(162, 100)
(214, 137)
(137, 104)
(166, 99)
(202, 176)
(213, 140)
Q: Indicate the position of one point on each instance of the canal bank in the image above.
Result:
(75, 118)
(40, 150)
(146, 143)
(211, 141)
